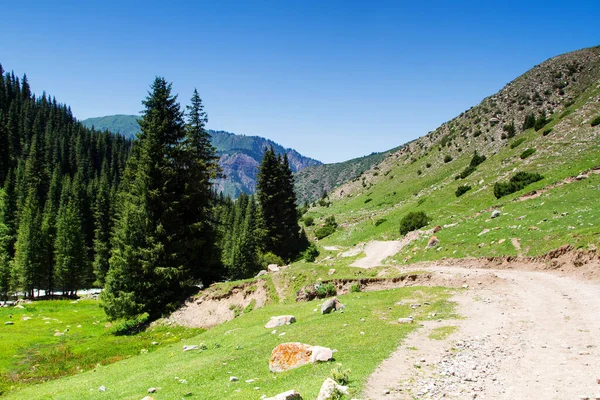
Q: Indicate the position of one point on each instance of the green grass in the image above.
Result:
(442, 332)
(242, 348)
(30, 353)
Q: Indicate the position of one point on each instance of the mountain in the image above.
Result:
(239, 155)
(544, 124)
(312, 182)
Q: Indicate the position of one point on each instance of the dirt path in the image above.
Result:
(526, 335)
(377, 251)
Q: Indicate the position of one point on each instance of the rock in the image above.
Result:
(331, 271)
(495, 214)
(501, 241)
(330, 305)
(433, 241)
(152, 390)
(148, 398)
(233, 379)
(408, 320)
(261, 273)
(292, 355)
(281, 320)
(272, 267)
(329, 389)
(289, 395)
(102, 388)
(320, 354)
(9, 323)
(483, 232)
(58, 334)
(437, 229)
(189, 347)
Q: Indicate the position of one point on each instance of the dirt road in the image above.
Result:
(525, 335)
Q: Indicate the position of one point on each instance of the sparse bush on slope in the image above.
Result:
(413, 221)
(516, 183)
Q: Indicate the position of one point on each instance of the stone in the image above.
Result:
(272, 268)
(289, 395)
(483, 232)
(233, 379)
(330, 305)
(320, 354)
(408, 320)
(437, 229)
(152, 390)
(261, 273)
(102, 388)
(331, 271)
(495, 214)
(433, 241)
(148, 398)
(9, 323)
(280, 320)
(292, 355)
(329, 389)
(189, 347)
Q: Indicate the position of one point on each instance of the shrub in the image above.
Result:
(380, 221)
(131, 326)
(368, 200)
(596, 121)
(325, 290)
(529, 122)
(516, 183)
(330, 221)
(324, 231)
(477, 133)
(309, 221)
(509, 129)
(428, 165)
(419, 172)
(476, 160)
(466, 172)
(413, 221)
(340, 376)
(447, 158)
(517, 143)
(462, 190)
(270, 258)
(527, 153)
(546, 131)
(311, 253)
(541, 122)
(355, 288)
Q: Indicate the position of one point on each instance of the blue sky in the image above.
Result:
(333, 79)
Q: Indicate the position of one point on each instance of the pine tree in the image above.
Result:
(103, 214)
(28, 246)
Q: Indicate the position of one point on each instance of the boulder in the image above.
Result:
(408, 320)
(330, 305)
(433, 241)
(329, 389)
(495, 214)
(9, 323)
(331, 271)
(292, 355)
(261, 273)
(437, 229)
(190, 347)
(272, 267)
(280, 320)
(289, 395)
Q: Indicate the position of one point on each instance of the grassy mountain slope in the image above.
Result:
(239, 155)
(421, 176)
(312, 182)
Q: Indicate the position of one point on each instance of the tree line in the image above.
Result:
(141, 219)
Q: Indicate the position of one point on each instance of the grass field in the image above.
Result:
(364, 335)
(31, 353)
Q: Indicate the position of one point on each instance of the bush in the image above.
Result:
(380, 221)
(340, 376)
(517, 143)
(466, 172)
(325, 290)
(596, 121)
(529, 122)
(330, 221)
(355, 288)
(476, 160)
(270, 258)
(309, 221)
(462, 190)
(509, 129)
(546, 132)
(324, 231)
(541, 122)
(131, 326)
(413, 221)
(515, 183)
(368, 200)
(527, 153)
(311, 253)
(447, 158)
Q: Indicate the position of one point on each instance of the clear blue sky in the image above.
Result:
(332, 79)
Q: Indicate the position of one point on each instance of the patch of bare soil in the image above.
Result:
(377, 251)
(213, 307)
(527, 334)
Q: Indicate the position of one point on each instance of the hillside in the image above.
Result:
(561, 99)
(239, 155)
(312, 182)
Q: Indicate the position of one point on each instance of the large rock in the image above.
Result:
(495, 214)
(330, 305)
(262, 272)
(289, 395)
(433, 241)
(280, 320)
(272, 267)
(292, 355)
(329, 388)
